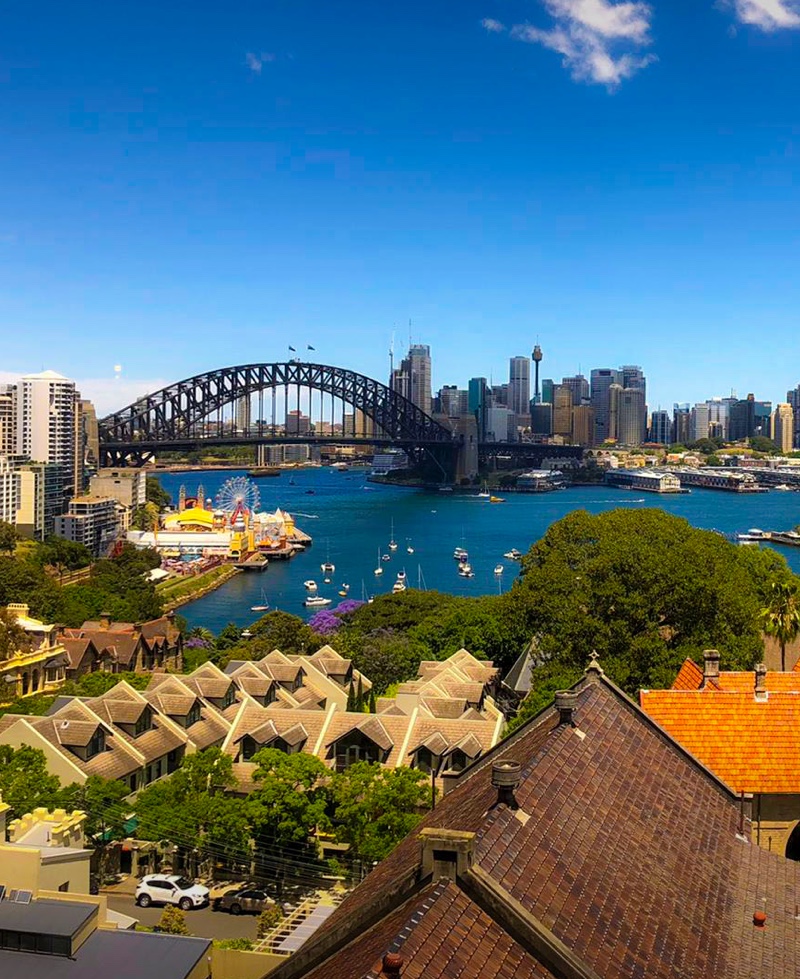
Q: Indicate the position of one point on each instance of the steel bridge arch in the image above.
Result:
(176, 414)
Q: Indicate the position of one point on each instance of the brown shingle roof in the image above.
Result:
(623, 847)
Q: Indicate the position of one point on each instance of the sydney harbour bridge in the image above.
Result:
(263, 404)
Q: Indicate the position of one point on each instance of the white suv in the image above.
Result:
(170, 889)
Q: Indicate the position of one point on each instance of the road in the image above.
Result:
(202, 922)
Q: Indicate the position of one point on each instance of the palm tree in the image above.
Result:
(781, 617)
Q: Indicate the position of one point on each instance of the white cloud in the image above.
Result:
(255, 62)
(601, 40)
(769, 15)
(108, 394)
(492, 25)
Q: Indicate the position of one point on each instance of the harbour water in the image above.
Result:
(351, 523)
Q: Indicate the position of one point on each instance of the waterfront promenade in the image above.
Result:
(350, 520)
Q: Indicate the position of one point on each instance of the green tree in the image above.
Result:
(106, 812)
(156, 494)
(351, 699)
(192, 808)
(375, 807)
(228, 637)
(373, 708)
(8, 537)
(25, 782)
(173, 921)
(645, 589)
(781, 617)
(291, 799)
(63, 555)
(283, 631)
(268, 920)
(760, 443)
(13, 638)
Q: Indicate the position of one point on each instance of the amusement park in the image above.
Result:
(232, 528)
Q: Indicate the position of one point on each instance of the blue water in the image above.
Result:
(350, 521)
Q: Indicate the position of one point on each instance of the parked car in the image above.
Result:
(249, 900)
(170, 889)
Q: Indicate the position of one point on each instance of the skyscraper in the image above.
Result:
(783, 427)
(682, 424)
(547, 390)
(562, 411)
(46, 425)
(8, 422)
(519, 385)
(741, 419)
(583, 425)
(633, 377)
(579, 387)
(419, 372)
(614, 402)
(602, 379)
(661, 428)
(536, 356)
(793, 398)
(632, 417)
(478, 403)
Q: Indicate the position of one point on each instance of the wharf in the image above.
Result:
(253, 562)
(788, 537)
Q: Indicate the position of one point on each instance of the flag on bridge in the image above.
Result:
(292, 350)
(311, 348)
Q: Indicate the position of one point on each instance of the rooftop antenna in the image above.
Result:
(391, 356)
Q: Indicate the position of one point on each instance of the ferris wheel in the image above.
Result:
(238, 496)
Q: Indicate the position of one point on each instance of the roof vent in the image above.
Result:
(710, 665)
(506, 775)
(566, 702)
(393, 963)
(761, 681)
(760, 919)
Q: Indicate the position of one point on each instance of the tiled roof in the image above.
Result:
(441, 934)
(752, 745)
(623, 849)
(444, 706)
(690, 677)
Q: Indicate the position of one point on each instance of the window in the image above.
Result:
(143, 724)
(426, 760)
(194, 715)
(350, 754)
(230, 696)
(64, 886)
(97, 743)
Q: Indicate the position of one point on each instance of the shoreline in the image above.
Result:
(228, 572)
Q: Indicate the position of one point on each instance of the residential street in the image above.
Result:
(204, 923)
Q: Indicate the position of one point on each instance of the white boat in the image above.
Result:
(513, 554)
(399, 585)
(379, 569)
(327, 581)
(316, 601)
(343, 591)
(327, 568)
(310, 585)
(409, 548)
(460, 554)
(264, 606)
(465, 570)
(386, 557)
(499, 569)
(484, 493)
(754, 534)
(783, 488)
(392, 542)
(401, 576)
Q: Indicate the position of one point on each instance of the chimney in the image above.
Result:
(105, 620)
(710, 666)
(566, 702)
(761, 681)
(506, 778)
(446, 852)
(393, 963)
(137, 630)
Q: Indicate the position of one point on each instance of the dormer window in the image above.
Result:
(144, 723)
(230, 696)
(96, 744)
(194, 715)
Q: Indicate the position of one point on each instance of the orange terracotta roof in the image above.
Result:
(752, 745)
(690, 677)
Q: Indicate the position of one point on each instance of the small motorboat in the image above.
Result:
(398, 587)
(327, 567)
(310, 585)
(513, 554)
(311, 492)
(409, 548)
(465, 570)
(499, 569)
(317, 601)
(783, 488)
(497, 499)
(326, 581)
(459, 553)
(386, 557)
(401, 576)
(343, 591)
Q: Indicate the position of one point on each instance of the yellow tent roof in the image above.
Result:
(194, 515)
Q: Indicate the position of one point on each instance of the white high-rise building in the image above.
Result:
(412, 379)
(782, 428)
(519, 385)
(8, 422)
(46, 426)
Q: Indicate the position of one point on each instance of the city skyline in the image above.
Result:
(234, 185)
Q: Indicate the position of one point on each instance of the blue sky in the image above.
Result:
(184, 186)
